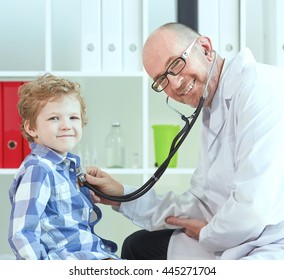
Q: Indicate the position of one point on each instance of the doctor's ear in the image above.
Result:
(205, 43)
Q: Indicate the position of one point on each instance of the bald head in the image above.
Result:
(182, 31)
(171, 38)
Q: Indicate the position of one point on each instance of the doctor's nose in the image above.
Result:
(175, 81)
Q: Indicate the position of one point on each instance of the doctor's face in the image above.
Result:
(162, 50)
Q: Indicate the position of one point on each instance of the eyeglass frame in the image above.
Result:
(183, 57)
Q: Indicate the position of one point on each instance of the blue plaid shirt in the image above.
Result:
(51, 217)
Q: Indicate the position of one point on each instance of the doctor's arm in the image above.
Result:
(149, 211)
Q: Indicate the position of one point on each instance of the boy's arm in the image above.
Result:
(28, 204)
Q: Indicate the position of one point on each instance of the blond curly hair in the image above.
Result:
(35, 94)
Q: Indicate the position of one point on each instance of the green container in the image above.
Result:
(163, 137)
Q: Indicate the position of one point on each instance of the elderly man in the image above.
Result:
(234, 206)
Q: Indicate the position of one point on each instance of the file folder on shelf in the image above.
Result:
(111, 35)
(12, 150)
(91, 35)
(1, 127)
(132, 35)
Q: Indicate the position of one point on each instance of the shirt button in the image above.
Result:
(71, 169)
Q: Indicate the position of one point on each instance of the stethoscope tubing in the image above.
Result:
(176, 143)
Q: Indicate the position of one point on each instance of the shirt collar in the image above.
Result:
(54, 157)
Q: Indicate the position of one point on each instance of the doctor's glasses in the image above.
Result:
(173, 69)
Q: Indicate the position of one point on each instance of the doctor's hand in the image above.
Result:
(191, 227)
(105, 183)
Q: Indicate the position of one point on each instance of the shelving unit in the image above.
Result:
(111, 95)
(111, 100)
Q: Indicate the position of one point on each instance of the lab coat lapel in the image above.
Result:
(223, 96)
(217, 119)
(219, 112)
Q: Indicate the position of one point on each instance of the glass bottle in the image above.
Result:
(115, 149)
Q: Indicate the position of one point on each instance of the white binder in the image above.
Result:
(91, 36)
(273, 37)
(278, 40)
(219, 20)
(229, 28)
(111, 35)
(208, 20)
(132, 35)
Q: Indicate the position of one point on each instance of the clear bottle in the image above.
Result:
(115, 149)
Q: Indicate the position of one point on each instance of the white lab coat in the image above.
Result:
(238, 186)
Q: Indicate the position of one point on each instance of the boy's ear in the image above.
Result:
(29, 130)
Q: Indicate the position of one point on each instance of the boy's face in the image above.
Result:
(59, 125)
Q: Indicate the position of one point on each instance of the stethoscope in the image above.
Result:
(176, 143)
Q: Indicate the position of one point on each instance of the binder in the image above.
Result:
(132, 35)
(280, 33)
(111, 35)
(274, 32)
(229, 28)
(91, 35)
(12, 137)
(208, 20)
(1, 127)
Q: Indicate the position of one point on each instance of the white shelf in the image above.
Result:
(8, 171)
(32, 74)
(122, 171)
(174, 171)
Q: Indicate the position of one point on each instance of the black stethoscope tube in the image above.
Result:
(177, 141)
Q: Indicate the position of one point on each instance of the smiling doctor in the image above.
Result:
(234, 207)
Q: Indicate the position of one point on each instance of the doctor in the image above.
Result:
(234, 207)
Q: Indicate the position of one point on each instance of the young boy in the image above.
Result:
(52, 217)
